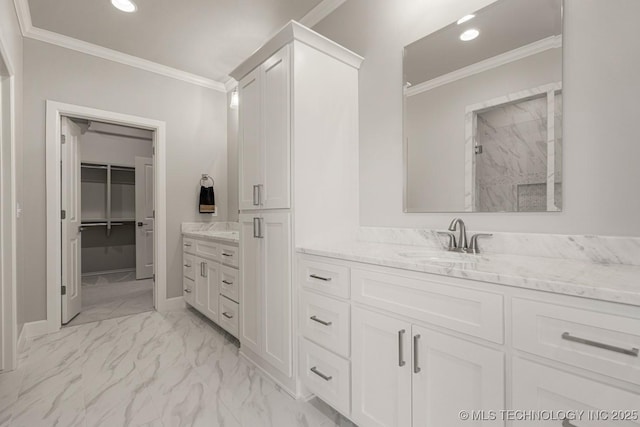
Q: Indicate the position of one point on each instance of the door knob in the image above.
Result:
(140, 224)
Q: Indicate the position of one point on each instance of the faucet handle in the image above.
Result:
(452, 238)
(473, 243)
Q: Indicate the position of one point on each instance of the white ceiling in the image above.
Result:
(504, 25)
(208, 38)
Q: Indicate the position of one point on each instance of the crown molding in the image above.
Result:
(321, 11)
(231, 84)
(552, 42)
(29, 31)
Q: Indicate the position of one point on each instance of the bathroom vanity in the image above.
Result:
(210, 272)
(401, 335)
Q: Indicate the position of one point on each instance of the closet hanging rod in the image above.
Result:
(123, 168)
(87, 166)
(99, 224)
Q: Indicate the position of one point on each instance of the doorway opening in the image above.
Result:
(108, 223)
(114, 222)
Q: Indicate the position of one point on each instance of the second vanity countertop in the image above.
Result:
(608, 282)
(220, 236)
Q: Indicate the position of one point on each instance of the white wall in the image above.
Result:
(196, 144)
(601, 93)
(115, 149)
(11, 41)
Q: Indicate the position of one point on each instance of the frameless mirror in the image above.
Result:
(483, 112)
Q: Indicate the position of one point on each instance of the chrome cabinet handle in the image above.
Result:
(320, 374)
(416, 368)
(204, 270)
(633, 352)
(225, 254)
(567, 423)
(322, 322)
(256, 226)
(188, 265)
(188, 245)
(226, 282)
(187, 290)
(227, 315)
(314, 276)
(256, 195)
(401, 361)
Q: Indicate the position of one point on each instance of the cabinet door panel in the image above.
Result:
(201, 297)
(250, 140)
(454, 375)
(381, 395)
(211, 271)
(250, 285)
(276, 291)
(277, 130)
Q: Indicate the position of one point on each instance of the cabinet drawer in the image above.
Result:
(432, 299)
(229, 283)
(207, 249)
(229, 255)
(326, 375)
(229, 315)
(189, 266)
(538, 387)
(188, 245)
(325, 321)
(324, 277)
(188, 287)
(600, 342)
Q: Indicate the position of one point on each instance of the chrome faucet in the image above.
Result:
(460, 244)
(462, 237)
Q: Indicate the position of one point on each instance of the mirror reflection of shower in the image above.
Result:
(517, 156)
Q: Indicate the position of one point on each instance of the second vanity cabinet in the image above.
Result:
(210, 279)
(397, 348)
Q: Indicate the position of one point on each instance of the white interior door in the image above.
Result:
(71, 221)
(144, 217)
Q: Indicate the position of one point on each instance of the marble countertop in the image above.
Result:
(608, 282)
(215, 235)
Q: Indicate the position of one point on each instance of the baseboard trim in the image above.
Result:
(101, 273)
(269, 376)
(171, 304)
(22, 339)
(35, 329)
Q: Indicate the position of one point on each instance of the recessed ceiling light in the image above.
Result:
(469, 35)
(465, 19)
(124, 5)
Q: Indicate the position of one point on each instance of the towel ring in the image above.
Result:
(206, 178)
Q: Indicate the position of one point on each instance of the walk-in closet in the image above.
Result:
(116, 193)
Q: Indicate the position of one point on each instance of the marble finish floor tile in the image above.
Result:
(113, 295)
(149, 369)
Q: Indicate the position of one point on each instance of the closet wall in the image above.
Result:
(113, 249)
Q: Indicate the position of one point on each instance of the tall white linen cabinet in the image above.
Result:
(298, 184)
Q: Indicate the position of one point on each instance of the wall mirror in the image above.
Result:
(483, 112)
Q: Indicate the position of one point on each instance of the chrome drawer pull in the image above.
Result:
(187, 290)
(416, 368)
(322, 322)
(227, 315)
(326, 279)
(224, 254)
(567, 423)
(188, 265)
(226, 282)
(401, 361)
(633, 352)
(188, 245)
(320, 374)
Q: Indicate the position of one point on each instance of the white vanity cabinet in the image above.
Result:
(209, 284)
(424, 347)
(298, 157)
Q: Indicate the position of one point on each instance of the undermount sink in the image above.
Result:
(438, 256)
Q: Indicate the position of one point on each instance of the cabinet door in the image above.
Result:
(451, 375)
(211, 273)
(250, 284)
(277, 130)
(201, 297)
(276, 291)
(381, 370)
(250, 141)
